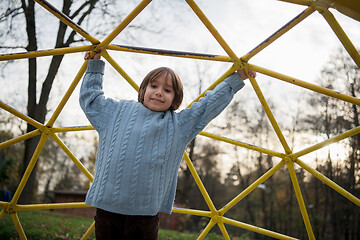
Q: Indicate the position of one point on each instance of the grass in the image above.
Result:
(48, 225)
(45, 225)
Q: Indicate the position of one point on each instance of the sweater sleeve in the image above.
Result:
(96, 107)
(194, 119)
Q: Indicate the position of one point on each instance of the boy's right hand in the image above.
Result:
(87, 56)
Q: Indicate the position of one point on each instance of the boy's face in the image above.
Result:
(159, 94)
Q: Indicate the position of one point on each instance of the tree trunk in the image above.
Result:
(38, 110)
(29, 191)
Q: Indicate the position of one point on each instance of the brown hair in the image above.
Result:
(176, 84)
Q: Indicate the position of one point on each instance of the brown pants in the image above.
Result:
(110, 226)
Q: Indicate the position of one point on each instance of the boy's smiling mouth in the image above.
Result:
(157, 100)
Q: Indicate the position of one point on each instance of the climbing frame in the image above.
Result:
(287, 158)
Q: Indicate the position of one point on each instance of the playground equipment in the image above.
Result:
(288, 158)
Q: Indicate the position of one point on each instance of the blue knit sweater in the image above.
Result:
(140, 150)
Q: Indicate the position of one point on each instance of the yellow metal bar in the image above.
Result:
(207, 229)
(328, 182)
(43, 53)
(213, 31)
(4, 204)
(72, 157)
(244, 145)
(122, 25)
(253, 186)
(192, 212)
(318, 146)
(30, 167)
(223, 230)
(257, 229)
(67, 94)
(88, 232)
(300, 2)
(120, 70)
(20, 138)
(65, 19)
(199, 183)
(21, 116)
(72, 129)
(231, 70)
(31, 207)
(307, 85)
(170, 53)
(344, 39)
(300, 199)
(307, 12)
(18, 226)
(270, 115)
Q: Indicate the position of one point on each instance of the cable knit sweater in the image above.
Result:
(140, 150)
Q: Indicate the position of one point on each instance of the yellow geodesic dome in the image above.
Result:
(287, 157)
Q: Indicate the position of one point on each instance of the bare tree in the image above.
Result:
(22, 21)
(329, 118)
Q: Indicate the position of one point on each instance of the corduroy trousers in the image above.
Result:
(109, 226)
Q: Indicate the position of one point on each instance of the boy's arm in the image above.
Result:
(96, 107)
(194, 119)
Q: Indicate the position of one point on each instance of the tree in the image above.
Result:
(329, 118)
(23, 18)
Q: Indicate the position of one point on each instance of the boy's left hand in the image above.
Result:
(242, 74)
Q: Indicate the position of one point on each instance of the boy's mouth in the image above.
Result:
(156, 100)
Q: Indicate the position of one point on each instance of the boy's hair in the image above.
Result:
(176, 84)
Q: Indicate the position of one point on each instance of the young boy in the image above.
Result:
(141, 145)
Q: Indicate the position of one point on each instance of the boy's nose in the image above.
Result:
(159, 92)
